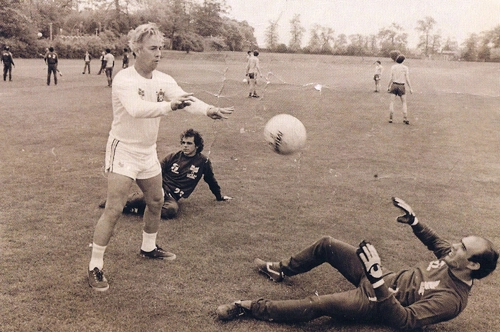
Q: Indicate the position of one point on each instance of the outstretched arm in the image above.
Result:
(209, 178)
(424, 233)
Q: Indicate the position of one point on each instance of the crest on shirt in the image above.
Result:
(175, 168)
(141, 93)
(194, 172)
(160, 96)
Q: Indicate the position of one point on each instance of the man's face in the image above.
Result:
(458, 257)
(148, 56)
(188, 147)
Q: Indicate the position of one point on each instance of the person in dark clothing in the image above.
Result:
(181, 173)
(412, 298)
(51, 59)
(8, 63)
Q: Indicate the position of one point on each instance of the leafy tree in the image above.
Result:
(372, 46)
(357, 45)
(391, 38)
(281, 48)
(435, 45)
(271, 35)
(321, 39)
(494, 36)
(297, 32)
(425, 27)
(232, 36)
(341, 44)
(450, 45)
(394, 54)
(174, 18)
(207, 17)
(314, 45)
(249, 41)
(470, 48)
(16, 28)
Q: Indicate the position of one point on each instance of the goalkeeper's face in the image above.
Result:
(461, 252)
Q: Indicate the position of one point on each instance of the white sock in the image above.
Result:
(148, 241)
(97, 259)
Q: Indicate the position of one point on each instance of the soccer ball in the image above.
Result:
(245, 80)
(285, 134)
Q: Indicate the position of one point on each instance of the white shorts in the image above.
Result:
(122, 159)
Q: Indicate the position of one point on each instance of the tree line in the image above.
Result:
(30, 26)
(477, 47)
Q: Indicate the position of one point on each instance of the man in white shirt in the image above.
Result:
(400, 76)
(141, 95)
(110, 63)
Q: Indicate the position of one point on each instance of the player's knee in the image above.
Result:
(155, 203)
(113, 211)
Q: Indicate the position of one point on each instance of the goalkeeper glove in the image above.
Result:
(409, 217)
(371, 263)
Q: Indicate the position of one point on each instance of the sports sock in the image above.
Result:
(97, 259)
(148, 241)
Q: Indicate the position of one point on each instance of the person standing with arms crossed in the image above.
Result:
(51, 59)
(8, 63)
(141, 95)
(253, 69)
(110, 63)
(400, 75)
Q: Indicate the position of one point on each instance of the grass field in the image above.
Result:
(445, 164)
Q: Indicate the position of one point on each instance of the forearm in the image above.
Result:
(431, 239)
(139, 108)
(198, 106)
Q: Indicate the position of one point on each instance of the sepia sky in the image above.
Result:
(454, 18)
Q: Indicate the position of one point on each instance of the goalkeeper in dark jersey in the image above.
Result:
(181, 172)
(426, 294)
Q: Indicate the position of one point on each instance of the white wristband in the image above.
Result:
(414, 222)
(378, 283)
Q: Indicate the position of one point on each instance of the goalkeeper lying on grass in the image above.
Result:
(426, 294)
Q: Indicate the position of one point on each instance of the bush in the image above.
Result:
(394, 54)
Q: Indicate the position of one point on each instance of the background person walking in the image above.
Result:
(110, 63)
(400, 75)
(8, 63)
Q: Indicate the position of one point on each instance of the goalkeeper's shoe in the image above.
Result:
(231, 311)
(158, 253)
(270, 269)
(97, 280)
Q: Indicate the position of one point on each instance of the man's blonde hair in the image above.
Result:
(136, 36)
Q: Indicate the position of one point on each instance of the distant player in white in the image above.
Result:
(376, 77)
(141, 95)
(109, 60)
(400, 75)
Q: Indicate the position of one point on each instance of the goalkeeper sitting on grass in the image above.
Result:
(426, 294)
(181, 172)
